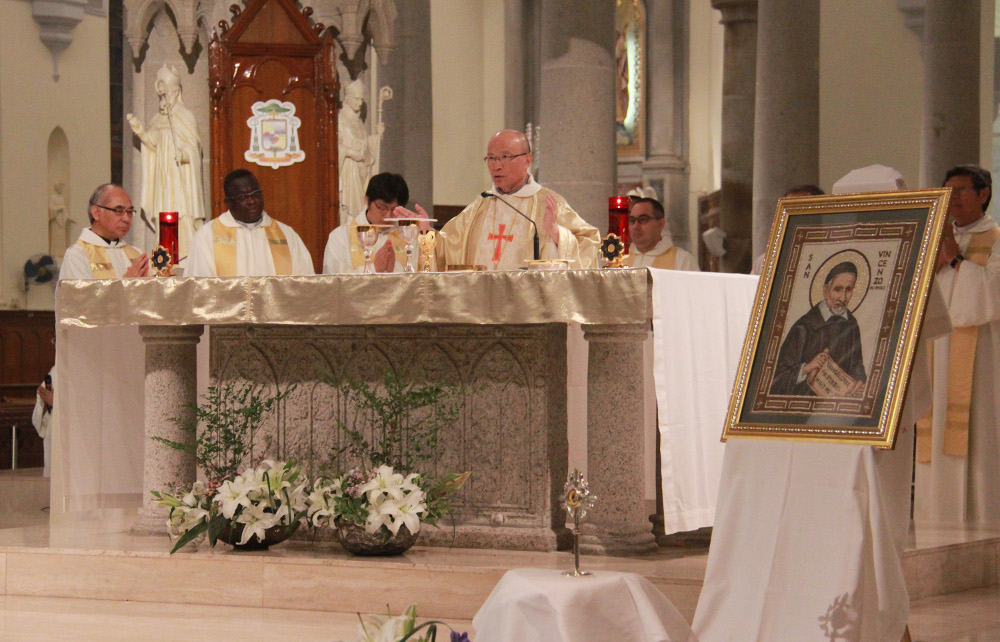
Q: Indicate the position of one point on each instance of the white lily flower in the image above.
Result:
(384, 483)
(233, 494)
(386, 628)
(255, 521)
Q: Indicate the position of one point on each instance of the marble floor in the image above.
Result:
(970, 616)
(46, 619)
(963, 616)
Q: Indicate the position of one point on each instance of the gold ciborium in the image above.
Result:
(427, 240)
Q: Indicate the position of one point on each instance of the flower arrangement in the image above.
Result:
(240, 502)
(401, 628)
(385, 493)
(245, 507)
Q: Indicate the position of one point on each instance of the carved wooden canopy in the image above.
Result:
(271, 52)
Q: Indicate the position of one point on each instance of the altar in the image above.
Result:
(500, 336)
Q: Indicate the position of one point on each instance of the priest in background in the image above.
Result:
(966, 438)
(650, 242)
(385, 197)
(491, 233)
(101, 251)
(245, 240)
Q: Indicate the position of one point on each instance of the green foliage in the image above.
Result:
(229, 418)
(404, 421)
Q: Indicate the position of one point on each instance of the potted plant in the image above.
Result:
(378, 506)
(248, 506)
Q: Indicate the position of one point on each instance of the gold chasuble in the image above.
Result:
(398, 248)
(224, 246)
(961, 360)
(491, 234)
(665, 261)
(100, 262)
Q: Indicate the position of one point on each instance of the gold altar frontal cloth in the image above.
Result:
(564, 296)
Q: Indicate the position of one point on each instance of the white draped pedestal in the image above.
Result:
(808, 536)
(544, 604)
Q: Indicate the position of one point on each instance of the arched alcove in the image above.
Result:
(63, 226)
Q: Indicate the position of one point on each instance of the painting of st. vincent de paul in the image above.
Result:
(832, 321)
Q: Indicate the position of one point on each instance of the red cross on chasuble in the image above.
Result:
(500, 237)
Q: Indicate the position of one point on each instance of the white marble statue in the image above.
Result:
(358, 151)
(171, 160)
(61, 232)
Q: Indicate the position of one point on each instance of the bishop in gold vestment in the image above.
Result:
(490, 233)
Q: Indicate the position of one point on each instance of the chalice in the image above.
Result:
(409, 228)
(367, 237)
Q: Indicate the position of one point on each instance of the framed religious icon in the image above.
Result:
(835, 324)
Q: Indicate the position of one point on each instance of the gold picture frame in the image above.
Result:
(836, 319)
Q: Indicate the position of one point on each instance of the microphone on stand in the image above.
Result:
(538, 254)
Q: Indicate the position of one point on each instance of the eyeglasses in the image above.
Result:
(119, 211)
(503, 158)
(243, 198)
(382, 206)
(641, 220)
(964, 189)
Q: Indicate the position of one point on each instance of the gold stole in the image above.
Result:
(100, 262)
(224, 247)
(961, 361)
(398, 247)
(665, 261)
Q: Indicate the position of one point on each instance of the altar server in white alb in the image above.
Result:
(965, 451)
(650, 242)
(245, 240)
(491, 233)
(385, 197)
(101, 251)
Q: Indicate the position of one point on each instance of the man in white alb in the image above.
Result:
(489, 232)
(100, 253)
(964, 452)
(650, 243)
(385, 197)
(245, 240)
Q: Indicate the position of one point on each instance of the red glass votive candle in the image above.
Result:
(168, 234)
(618, 217)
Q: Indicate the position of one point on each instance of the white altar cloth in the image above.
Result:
(544, 604)
(699, 323)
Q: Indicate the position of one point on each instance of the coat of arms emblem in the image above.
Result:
(274, 134)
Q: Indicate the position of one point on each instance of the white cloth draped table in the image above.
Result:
(544, 604)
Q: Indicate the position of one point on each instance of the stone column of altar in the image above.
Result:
(171, 378)
(786, 118)
(619, 522)
(739, 73)
(577, 112)
(950, 134)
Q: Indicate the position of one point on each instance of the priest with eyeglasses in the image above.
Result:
(101, 251)
(497, 229)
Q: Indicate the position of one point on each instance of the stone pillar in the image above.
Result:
(408, 145)
(171, 384)
(786, 118)
(577, 104)
(950, 134)
(619, 523)
(739, 78)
